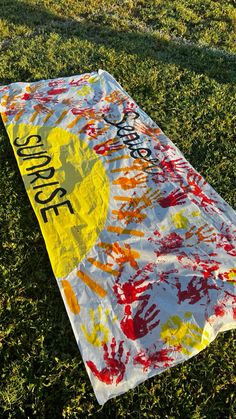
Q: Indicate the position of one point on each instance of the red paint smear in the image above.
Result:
(219, 311)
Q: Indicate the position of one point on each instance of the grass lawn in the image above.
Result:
(176, 58)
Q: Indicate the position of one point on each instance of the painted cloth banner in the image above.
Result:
(142, 248)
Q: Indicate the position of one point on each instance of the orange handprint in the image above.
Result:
(41, 108)
(144, 129)
(149, 199)
(121, 255)
(131, 210)
(139, 165)
(129, 216)
(204, 233)
(129, 183)
(87, 112)
(33, 88)
(116, 96)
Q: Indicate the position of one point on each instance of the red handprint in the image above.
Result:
(174, 198)
(169, 168)
(195, 186)
(3, 88)
(132, 290)
(80, 81)
(160, 176)
(107, 147)
(164, 276)
(227, 240)
(41, 108)
(226, 305)
(89, 129)
(114, 370)
(13, 109)
(200, 285)
(165, 148)
(207, 203)
(129, 106)
(167, 244)
(77, 111)
(156, 359)
(57, 91)
(195, 183)
(26, 96)
(174, 166)
(134, 326)
(206, 266)
(55, 83)
(197, 288)
(39, 97)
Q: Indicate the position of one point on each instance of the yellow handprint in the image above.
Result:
(229, 276)
(196, 213)
(84, 91)
(232, 276)
(100, 332)
(93, 79)
(179, 220)
(186, 335)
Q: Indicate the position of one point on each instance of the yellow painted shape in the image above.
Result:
(70, 296)
(84, 91)
(80, 172)
(99, 333)
(196, 213)
(179, 220)
(93, 79)
(185, 334)
(232, 275)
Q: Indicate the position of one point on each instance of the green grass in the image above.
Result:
(176, 59)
